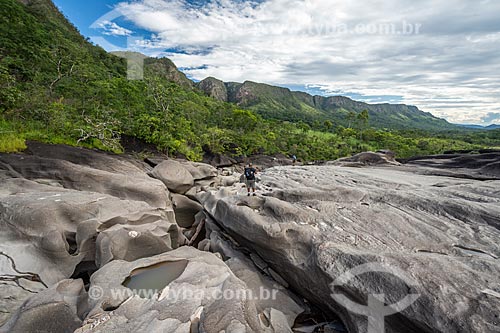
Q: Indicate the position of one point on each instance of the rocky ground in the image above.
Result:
(484, 166)
(342, 240)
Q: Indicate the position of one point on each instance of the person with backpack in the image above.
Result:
(250, 178)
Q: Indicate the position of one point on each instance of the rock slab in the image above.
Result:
(436, 236)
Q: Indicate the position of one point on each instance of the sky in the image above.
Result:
(442, 56)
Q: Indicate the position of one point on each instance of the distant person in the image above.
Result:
(294, 159)
(250, 178)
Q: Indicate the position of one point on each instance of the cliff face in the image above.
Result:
(166, 69)
(214, 88)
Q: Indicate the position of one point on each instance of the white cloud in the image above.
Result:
(450, 68)
(113, 29)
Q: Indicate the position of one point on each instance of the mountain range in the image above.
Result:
(274, 102)
(479, 127)
(284, 104)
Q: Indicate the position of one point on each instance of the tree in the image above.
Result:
(303, 126)
(362, 119)
(105, 129)
(243, 121)
(9, 94)
(351, 116)
(159, 94)
(327, 124)
(64, 67)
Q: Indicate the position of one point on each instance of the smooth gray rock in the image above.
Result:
(438, 234)
(484, 166)
(51, 227)
(219, 161)
(257, 282)
(209, 183)
(49, 233)
(200, 171)
(55, 310)
(230, 180)
(92, 158)
(492, 169)
(366, 158)
(174, 175)
(185, 210)
(16, 287)
(204, 298)
(130, 242)
(131, 183)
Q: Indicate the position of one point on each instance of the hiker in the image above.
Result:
(294, 159)
(250, 178)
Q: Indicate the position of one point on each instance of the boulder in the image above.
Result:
(92, 158)
(131, 183)
(185, 210)
(65, 211)
(230, 180)
(203, 295)
(174, 175)
(17, 286)
(56, 310)
(198, 230)
(154, 161)
(334, 232)
(254, 277)
(208, 183)
(200, 171)
(132, 241)
(366, 158)
(219, 161)
(50, 233)
(265, 161)
(387, 152)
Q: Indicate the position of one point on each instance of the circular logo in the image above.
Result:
(95, 293)
(376, 309)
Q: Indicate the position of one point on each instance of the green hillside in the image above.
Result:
(56, 87)
(281, 103)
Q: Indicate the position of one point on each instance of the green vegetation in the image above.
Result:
(281, 103)
(10, 142)
(56, 87)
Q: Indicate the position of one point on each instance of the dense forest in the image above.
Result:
(56, 87)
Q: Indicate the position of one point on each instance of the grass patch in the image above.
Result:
(11, 143)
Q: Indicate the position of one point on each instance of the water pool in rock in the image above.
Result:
(155, 277)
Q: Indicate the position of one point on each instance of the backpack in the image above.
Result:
(250, 173)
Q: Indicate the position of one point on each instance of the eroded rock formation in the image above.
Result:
(207, 296)
(73, 221)
(438, 235)
(65, 212)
